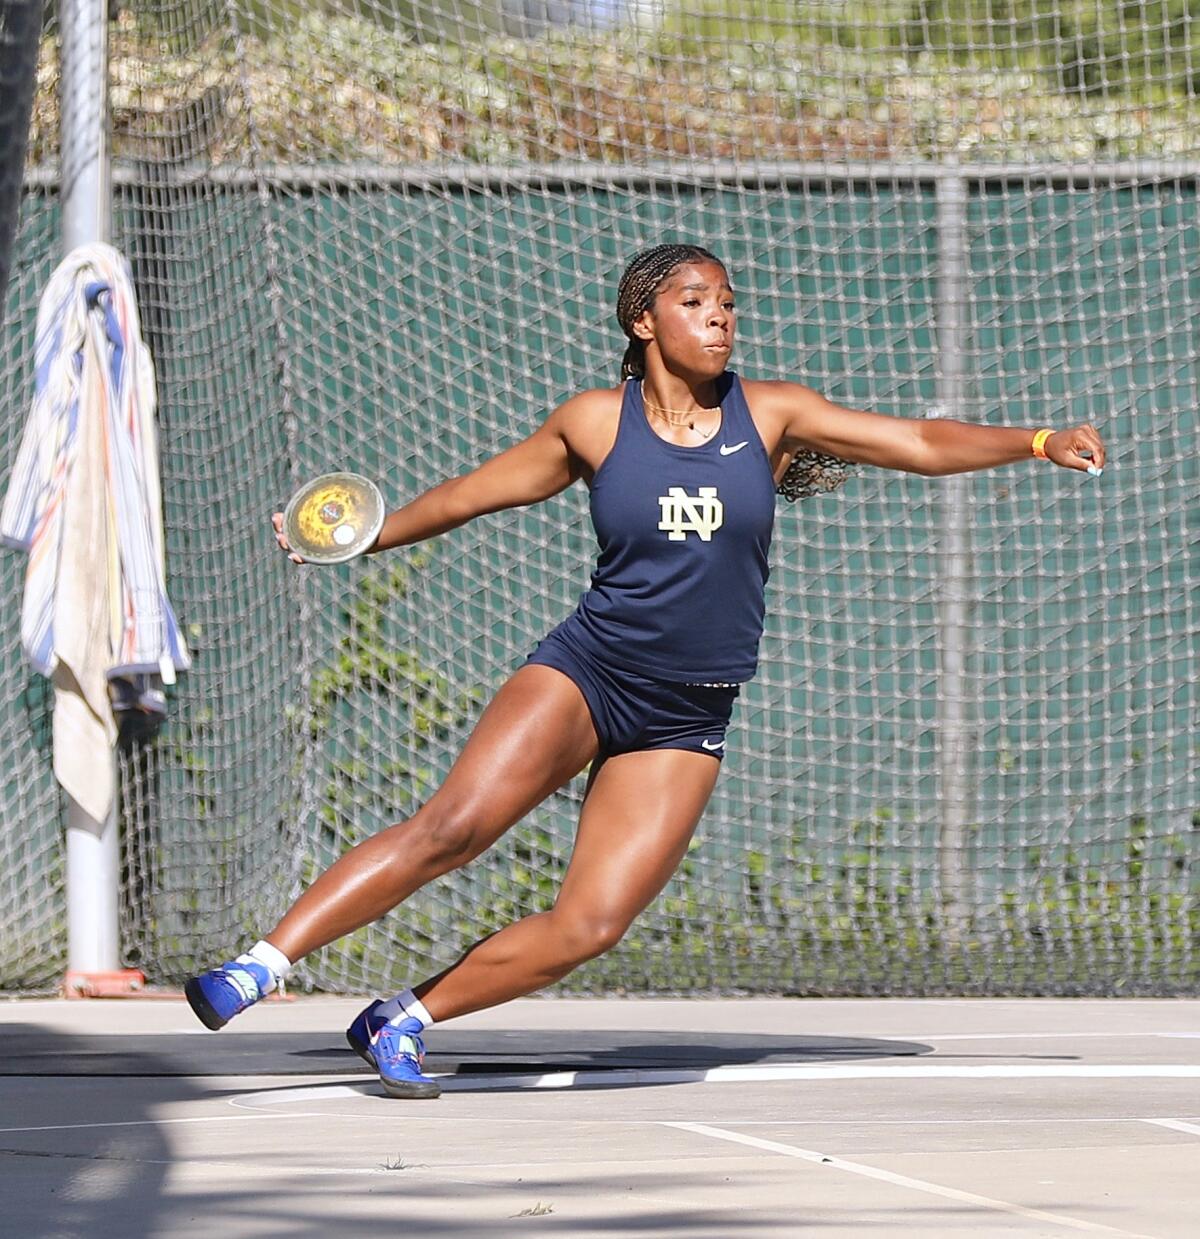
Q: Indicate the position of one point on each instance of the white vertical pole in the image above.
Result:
(93, 876)
(84, 155)
(93, 855)
(954, 562)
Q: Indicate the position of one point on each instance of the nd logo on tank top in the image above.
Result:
(683, 513)
(677, 592)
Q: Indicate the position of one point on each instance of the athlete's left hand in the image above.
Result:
(1079, 448)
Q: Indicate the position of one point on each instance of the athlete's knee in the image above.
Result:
(585, 934)
(448, 834)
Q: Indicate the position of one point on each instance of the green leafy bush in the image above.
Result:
(329, 89)
(1136, 48)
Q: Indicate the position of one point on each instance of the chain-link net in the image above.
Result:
(32, 912)
(20, 24)
(387, 238)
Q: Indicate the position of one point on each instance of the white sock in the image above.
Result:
(272, 959)
(405, 1006)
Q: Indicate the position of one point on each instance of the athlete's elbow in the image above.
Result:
(926, 458)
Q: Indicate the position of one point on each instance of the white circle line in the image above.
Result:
(972, 1199)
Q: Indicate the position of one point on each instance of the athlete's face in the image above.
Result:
(692, 319)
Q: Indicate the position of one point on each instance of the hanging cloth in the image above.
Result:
(84, 503)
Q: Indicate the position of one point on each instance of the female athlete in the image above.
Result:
(682, 462)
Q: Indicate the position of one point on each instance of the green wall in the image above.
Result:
(409, 334)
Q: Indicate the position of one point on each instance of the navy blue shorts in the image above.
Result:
(633, 713)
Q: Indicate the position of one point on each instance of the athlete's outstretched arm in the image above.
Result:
(528, 472)
(929, 446)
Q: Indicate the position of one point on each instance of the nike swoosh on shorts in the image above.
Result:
(712, 748)
(726, 450)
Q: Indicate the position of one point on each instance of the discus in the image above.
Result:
(333, 518)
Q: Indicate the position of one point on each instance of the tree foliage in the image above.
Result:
(998, 80)
(1091, 47)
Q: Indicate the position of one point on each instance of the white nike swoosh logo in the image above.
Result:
(726, 450)
(704, 744)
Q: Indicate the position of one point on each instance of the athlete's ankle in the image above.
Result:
(405, 1006)
(272, 959)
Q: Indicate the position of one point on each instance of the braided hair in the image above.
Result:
(639, 286)
(809, 473)
(812, 473)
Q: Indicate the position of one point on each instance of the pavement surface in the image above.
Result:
(728, 1119)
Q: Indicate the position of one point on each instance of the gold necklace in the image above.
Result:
(686, 420)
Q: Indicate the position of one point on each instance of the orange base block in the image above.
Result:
(130, 983)
(121, 984)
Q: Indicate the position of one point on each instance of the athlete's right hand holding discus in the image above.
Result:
(281, 538)
(681, 460)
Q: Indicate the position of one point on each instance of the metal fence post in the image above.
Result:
(85, 159)
(93, 852)
(954, 556)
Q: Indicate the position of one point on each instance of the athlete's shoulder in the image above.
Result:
(778, 405)
(590, 404)
(587, 424)
(778, 393)
(587, 413)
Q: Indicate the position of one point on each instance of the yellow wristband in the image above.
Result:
(1039, 443)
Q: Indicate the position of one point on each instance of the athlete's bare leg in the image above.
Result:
(639, 815)
(534, 736)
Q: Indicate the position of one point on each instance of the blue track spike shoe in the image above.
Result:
(217, 996)
(359, 1034)
(399, 1051)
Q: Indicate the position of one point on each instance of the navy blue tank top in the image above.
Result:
(678, 590)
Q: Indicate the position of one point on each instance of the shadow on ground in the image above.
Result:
(78, 1158)
(26, 1050)
(87, 1152)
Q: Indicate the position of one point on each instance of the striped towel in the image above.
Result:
(84, 502)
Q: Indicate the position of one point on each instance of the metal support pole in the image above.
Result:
(84, 156)
(93, 853)
(93, 875)
(954, 715)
